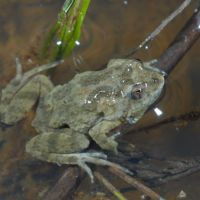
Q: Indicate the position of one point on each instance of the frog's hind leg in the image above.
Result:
(81, 159)
(22, 92)
(63, 147)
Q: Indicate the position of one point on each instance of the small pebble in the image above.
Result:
(182, 195)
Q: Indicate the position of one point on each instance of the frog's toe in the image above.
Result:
(90, 157)
(87, 169)
(95, 154)
(96, 158)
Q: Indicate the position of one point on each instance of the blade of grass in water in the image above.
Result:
(63, 37)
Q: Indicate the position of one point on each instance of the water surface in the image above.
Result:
(110, 30)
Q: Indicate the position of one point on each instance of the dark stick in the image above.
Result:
(181, 44)
(178, 175)
(167, 61)
(66, 183)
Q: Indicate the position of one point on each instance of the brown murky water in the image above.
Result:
(112, 28)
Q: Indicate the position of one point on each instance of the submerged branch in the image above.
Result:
(181, 44)
(65, 184)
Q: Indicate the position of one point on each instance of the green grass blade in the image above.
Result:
(62, 38)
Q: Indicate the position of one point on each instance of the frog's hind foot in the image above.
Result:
(23, 91)
(81, 159)
(96, 158)
(22, 78)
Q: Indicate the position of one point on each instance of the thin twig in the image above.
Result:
(136, 184)
(179, 175)
(163, 24)
(109, 186)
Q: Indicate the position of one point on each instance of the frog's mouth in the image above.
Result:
(3, 125)
(160, 97)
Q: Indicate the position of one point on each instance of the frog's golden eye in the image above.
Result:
(137, 94)
(137, 91)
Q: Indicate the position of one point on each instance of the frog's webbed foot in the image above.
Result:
(96, 158)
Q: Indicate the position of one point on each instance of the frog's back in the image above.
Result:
(75, 104)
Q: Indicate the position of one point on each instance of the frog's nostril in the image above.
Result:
(155, 80)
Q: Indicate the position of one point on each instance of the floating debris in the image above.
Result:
(182, 195)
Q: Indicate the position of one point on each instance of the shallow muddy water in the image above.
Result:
(111, 29)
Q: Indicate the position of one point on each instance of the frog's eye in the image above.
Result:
(137, 91)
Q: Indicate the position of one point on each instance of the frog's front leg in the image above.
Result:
(64, 147)
(18, 97)
(99, 135)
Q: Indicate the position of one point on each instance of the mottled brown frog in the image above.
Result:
(69, 116)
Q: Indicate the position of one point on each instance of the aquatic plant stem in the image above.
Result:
(65, 184)
(65, 34)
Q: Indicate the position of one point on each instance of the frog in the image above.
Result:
(69, 116)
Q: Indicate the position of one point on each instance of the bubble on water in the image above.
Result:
(125, 2)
